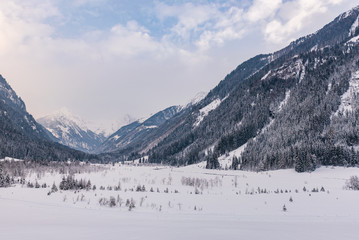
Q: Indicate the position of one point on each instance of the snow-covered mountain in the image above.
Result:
(196, 99)
(23, 138)
(13, 109)
(71, 131)
(136, 132)
(296, 107)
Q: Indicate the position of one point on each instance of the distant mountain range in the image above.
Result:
(22, 137)
(296, 107)
(71, 131)
(137, 131)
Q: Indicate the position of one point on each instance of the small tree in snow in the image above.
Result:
(284, 208)
(352, 183)
(54, 188)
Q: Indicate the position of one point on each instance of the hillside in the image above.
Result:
(280, 108)
(22, 137)
(71, 131)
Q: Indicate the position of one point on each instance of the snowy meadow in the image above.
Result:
(85, 201)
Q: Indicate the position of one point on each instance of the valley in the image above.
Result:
(174, 203)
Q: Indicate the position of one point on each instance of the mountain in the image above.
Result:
(199, 97)
(137, 132)
(71, 131)
(22, 137)
(296, 107)
(13, 110)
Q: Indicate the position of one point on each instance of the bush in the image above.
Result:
(5, 180)
(112, 202)
(352, 183)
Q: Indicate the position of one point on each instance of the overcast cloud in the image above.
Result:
(106, 60)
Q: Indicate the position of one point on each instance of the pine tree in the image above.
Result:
(54, 188)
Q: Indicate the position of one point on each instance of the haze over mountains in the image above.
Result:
(297, 107)
(71, 131)
(22, 137)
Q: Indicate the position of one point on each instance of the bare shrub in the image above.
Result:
(352, 183)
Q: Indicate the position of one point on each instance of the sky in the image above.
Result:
(114, 61)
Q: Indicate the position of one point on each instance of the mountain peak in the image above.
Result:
(348, 13)
(65, 115)
(7, 94)
(71, 130)
(197, 98)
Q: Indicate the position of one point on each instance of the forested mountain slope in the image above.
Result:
(22, 137)
(135, 134)
(284, 106)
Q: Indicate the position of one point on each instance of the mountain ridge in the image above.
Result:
(22, 137)
(71, 131)
(245, 102)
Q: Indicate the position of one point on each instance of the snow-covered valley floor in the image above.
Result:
(183, 203)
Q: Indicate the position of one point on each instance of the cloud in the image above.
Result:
(191, 19)
(20, 23)
(202, 25)
(129, 40)
(293, 17)
(140, 64)
(79, 3)
(262, 9)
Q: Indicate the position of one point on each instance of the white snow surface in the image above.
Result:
(285, 100)
(67, 117)
(229, 206)
(70, 119)
(267, 74)
(10, 159)
(225, 160)
(203, 112)
(353, 39)
(349, 99)
(354, 27)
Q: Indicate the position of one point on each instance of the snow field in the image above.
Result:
(228, 204)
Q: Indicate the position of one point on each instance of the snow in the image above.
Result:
(67, 118)
(329, 88)
(230, 207)
(285, 100)
(203, 112)
(315, 48)
(265, 76)
(107, 127)
(288, 71)
(266, 127)
(115, 137)
(209, 149)
(354, 27)
(199, 97)
(226, 160)
(353, 40)
(302, 73)
(349, 98)
(73, 121)
(53, 132)
(348, 13)
(10, 159)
